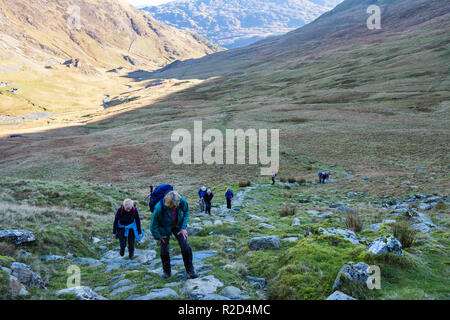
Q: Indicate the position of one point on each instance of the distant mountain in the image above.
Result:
(236, 23)
(112, 33)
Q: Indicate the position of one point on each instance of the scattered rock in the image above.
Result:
(196, 288)
(17, 236)
(26, 276)
(261, 243)
(346, 234)
(352, 272)
(51, 257)
(258, 283)
(193, 231)
(253, 217)
(290, 239)
(17, 288)
(338, 295)
(122, 290)
(265, 225)
(232, 292)
(383, 244)
(81, 293)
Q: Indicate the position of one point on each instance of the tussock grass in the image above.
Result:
(288, 210)
(353, 222)
(404, 233)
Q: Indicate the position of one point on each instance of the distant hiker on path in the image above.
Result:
(127, 226)
(326, 177)
(171, 216)
(208, 199)
(320, 176)
(229, 196)
(274, 176)
(201, 194)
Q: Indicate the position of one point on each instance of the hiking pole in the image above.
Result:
(151, 191)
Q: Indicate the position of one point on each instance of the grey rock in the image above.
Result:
(346, 234)
(51, 257)
(122, 290)
(231, 292)
(164, 293)
(258, 283)
(26, 276)
(17, 236)
(212, 296)
(345, 210)
(265, 225)
(422, 227)
(353, 273)
(258, 218)
(262, 243)
(338, 295)
(295, 222)
(290, 239)
(193, 231)
(81, 293)
(17, 288)
(201, 286)
(121, 283)
(197, 256)
(93, 263)
(383, 244)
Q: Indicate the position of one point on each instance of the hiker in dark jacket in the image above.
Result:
(228, 196)
(127, 226)
(201, 194)
(208, 199)
(320, 174)
(274, 175)
(171, 217)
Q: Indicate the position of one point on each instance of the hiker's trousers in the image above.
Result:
(186, 252)
(123, 239)
(208, 207)
(229, 203)
(202, 205)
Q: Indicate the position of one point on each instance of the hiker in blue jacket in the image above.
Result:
(229, 195)
(320, 174)
(127, 226)
(171, 216)
(201, 195)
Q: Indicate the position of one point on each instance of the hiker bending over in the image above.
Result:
(171, 217)
(127, 226)
(201, 194)
(208, 199)
(229, 195)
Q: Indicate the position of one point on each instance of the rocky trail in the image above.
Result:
(260, 231)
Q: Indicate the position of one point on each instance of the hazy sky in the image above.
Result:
(143, 3)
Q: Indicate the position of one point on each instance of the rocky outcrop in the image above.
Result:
(26, 276)
(81, 293)
(352, 273)
(17, 236)
(383, 245)
(262, 243)
(197, 288)
(338, 295)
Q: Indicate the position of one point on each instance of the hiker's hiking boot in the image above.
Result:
(131, 255)
(122, 252)
(192, 274)
(167, 274)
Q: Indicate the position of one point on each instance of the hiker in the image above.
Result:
(170, 216)
(229, 195)
(127, 226)
(274, 175)
(208, 199)
(201, 194)
(326, 177)
(320, 176)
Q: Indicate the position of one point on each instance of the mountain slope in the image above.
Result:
(47, 66)
(237, 23)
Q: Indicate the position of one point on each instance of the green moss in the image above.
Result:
(6, 261)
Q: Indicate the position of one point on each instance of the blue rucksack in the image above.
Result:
(158, 195)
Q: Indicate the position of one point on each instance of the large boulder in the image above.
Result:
(197, 288)
(383, 244)
(193, 231)
(338, 295)
(26, 276)
(352, 273)
(261, 243)
(81, 293)
(17, 236)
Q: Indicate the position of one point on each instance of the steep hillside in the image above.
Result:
(236, 23)
(51, 63)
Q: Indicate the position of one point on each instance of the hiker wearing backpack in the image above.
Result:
(228, 196)
(320, 174)
(170, 216)
(208, 199)
(127, 227)
(201, 194)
